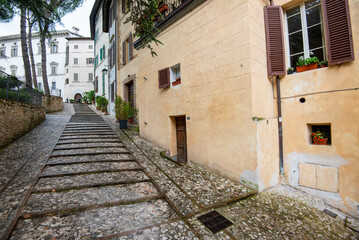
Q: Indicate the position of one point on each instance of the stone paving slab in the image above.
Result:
(175, 230)
(86, 131)
(83, 134)
(65, 182)
(89, 196)
(88, 145)
(88, 151)
(89, 167)
(95, 223)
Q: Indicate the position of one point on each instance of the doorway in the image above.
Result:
(78, 98)
(181, 139)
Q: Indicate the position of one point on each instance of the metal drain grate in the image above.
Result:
(214, 221)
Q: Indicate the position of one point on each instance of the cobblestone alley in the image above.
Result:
(77, 176)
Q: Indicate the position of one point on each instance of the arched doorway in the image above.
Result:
(78, 98)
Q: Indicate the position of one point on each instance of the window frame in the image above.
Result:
(304, 30)
(76, 77)
(14, 48)
(76, 61)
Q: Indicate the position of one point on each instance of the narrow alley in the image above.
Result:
(96, 181)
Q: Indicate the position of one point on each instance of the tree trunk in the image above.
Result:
(33, 69)
(25, 56)
(43, 64)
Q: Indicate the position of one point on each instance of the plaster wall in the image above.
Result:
(332, 97)
(211, 44)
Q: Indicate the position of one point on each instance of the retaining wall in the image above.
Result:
(17, 118)
(52, 103)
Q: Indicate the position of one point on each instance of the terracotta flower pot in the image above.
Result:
(320, 141)
(163, 7)
(307, 67)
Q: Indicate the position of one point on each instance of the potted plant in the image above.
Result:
(85, 99)
(162, 6)
(104, 104)
(319, 138)
(91, 96)
(323, 64)
(122, 110)
(72, 100)
(98, 102)
(290, 70)
(132, 114)
(307, 64)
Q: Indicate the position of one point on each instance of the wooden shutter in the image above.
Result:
(124, 52)
(123, 5)
(338, 31)
(275, 40)
(164, 78)
(130, 51)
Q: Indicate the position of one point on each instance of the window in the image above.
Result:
(76, 76)
(40, 86)
(127, 49)
(76, 46)
(39, 48)
(53, 70)
(90, 76)
(124, 6)
(13, 70)
(14, 51)
(89, 60)
(39, 70)
(95, 83)
(112, 92)
(103, 52)
(90, 46)
(66, 81)
(103, 83)
(322, 133)
(53, 85)
(305, 31)
(76, 61)
(67, 70)
(175, 75)
(54, 48)
(2, 52)
(100, 54)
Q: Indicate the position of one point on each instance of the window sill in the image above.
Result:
(291, 73)
(177, 82)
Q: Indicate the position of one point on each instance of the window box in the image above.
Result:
(307, 67)
(163, 7)
(177, 82)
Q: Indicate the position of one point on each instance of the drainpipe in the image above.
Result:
(280, 127)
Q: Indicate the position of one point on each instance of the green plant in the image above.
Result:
(318, 135)
(301, 61)
(290, 70)
(104, 104)
(72, 100)
(325, 63)
(311, 60)
(85, 99)
(91, 95)
(122, 109)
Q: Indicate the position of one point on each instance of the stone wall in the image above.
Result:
(17, 118)
(52, 103)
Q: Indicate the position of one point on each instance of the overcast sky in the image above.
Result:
(79, 18)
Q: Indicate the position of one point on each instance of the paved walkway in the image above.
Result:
(91, 180)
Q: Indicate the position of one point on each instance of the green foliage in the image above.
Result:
(142, 15)
(72, 100)
(101, 102)
(11, 80)
(39, 91)
(90, 95)
(6, 10)
(301, 61)
(122, 109)
(85, 99)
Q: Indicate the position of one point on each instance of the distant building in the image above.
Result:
(79, 68)
(99, 33)
(11, 59)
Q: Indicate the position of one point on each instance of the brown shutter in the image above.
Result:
(275, 40)
(124, 52)
(130, 51)
(338, 31)
(164, 78)
(114, 53)
(123, 5)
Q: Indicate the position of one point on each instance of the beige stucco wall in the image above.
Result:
(212, 45)
(336, 166)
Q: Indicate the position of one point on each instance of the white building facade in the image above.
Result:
(99, 34)
(112, 56)
(11, 59)
(79, 68)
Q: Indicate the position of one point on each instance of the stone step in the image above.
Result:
(86, 128)
(90, 140)
(91, 158)
(101, 133)
(88, 145)
(40, 202)
(80, 181)
(81, 168)
(88, 151)
(109, 136)
(97, 222)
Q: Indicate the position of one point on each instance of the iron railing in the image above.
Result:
(14, 89)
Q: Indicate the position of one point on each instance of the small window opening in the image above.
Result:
(175, 74)
(320, 134)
